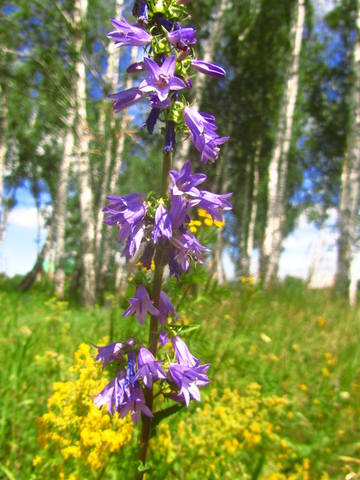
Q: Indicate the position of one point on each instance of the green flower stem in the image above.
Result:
(153, 333)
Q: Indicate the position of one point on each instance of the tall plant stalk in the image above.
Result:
(156, 229)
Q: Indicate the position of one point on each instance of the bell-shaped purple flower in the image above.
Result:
(126, 98)
(124, 394)
(113, 351)
(166, 308)
(134, 403)
(128, 34)
(140, 305)
(149, 368)
(186, 247)
(128, 214)
(208, 68)
(179, 210)
(203, 133)
(215, 204)
(188, 374)
(185, 182)
(162, 224)
(182, 37)
(161, 79)
(113, 394)
(152, 119)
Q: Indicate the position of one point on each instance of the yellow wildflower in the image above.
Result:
(73, 426)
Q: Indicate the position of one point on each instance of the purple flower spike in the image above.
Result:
(140, 305)
(113, 351)
(149, 368)
(161, 79)
(128, 34)
(162, 224)
(203, 133)
(166, 308)
(208, 68)
(182, 37)
(188, 374)
(185, 182)
(125, 99)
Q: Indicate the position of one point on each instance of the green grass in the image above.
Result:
(283, 340)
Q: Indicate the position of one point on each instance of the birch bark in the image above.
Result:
(253, 211)
(83, 163)
(350, 178)
(60, 205)
(249, 215)
(278, 166)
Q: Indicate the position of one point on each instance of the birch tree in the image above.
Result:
(278, 166)
(83, 161)
(60, 205)
(350, 178)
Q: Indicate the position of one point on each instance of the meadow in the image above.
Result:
(283, 403)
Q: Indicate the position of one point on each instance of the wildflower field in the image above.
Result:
(283, 403)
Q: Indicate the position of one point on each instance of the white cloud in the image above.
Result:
(27, 217)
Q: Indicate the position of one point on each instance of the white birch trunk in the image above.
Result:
(83, 164)
(244, 260)
(209, 50)
(3, 133)
(253, 208)
(60, 205)
(350, 178)
(279, 162)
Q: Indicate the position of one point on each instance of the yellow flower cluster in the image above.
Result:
(84, 435)
(247, 280)
(228, 436)
(152, 266)
(204, 218)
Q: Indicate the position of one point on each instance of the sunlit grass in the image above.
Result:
(298, 345)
